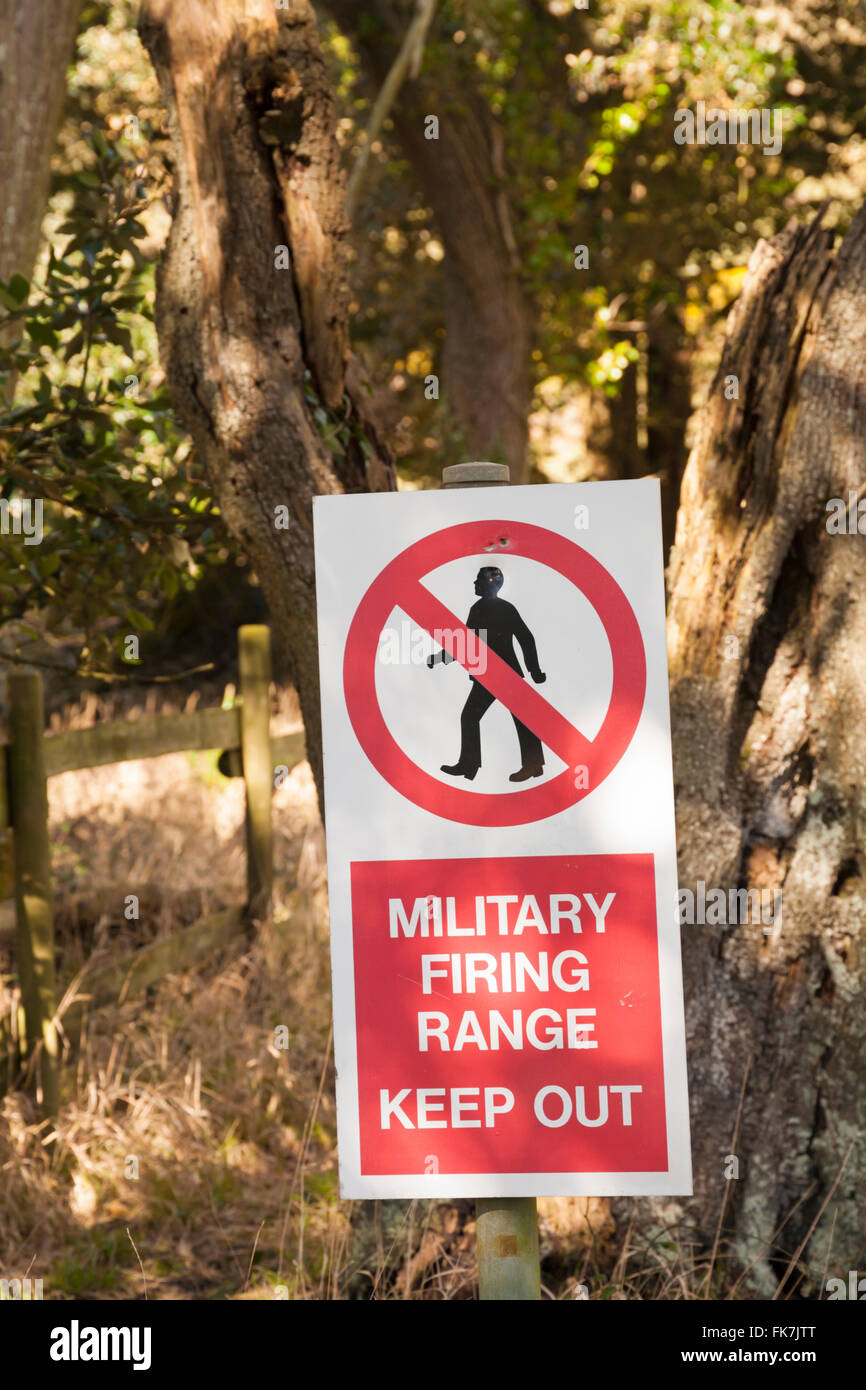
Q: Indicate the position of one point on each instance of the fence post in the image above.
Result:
(507, 1227)
(8, 1032)
(7, 881)
(254, 660)
(28, 799)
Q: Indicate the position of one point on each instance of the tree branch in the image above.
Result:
(407, 63)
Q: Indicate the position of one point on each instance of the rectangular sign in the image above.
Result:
(501, 849)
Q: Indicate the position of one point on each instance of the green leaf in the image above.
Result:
(41, 333)
(19, 288)
(133, 229)
(169, 581)
(74, 346)
(140, 619)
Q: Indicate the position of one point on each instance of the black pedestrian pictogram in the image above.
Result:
(400, 584)
(498, 623)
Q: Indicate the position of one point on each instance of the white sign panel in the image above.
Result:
(501, 847)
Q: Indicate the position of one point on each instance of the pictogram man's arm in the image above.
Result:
(527, 647)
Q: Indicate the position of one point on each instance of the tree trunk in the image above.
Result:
(767, 637)
(251, 117)
(37, 40)
(626, 459)
(669, 390)
(488, 318)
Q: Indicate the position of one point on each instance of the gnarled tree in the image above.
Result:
(489, 319)
(252, 303)
(767, 637)
(38, 40)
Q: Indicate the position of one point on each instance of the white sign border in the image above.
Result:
(475, 504)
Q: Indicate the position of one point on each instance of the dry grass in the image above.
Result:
(184, 1128)
(195, 1158)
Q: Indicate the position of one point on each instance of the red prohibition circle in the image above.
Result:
(399, 586)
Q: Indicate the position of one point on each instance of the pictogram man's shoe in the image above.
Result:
(525, 773)
(458, 770)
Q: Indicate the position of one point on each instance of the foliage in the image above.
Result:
(129, 523)
(593, 162)
(125, 520)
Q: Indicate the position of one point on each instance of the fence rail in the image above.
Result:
(28, 1039)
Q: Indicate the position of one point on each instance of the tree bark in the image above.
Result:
(767, 638)
(37, 39)
(488, 319)
(669, 391)
(251, 116)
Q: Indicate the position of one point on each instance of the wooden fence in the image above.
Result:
(29, 1038)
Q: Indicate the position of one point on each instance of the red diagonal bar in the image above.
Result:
(518, 696)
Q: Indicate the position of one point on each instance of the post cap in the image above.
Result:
(475, 474)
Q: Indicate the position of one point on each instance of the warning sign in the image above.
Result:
(501, 854)
(520, 978)
(490, 644)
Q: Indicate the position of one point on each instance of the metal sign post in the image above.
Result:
(507, 1229)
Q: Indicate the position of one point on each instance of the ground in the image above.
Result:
(194, 1156)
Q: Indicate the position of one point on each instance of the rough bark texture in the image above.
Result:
(767, 638)
(488, 319)
(251, 116)
(36, 45)
(670, 405)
